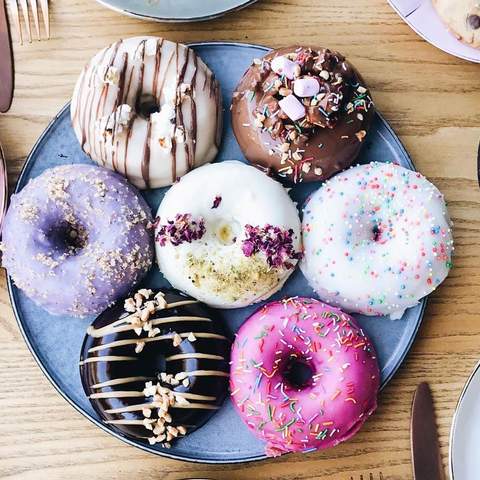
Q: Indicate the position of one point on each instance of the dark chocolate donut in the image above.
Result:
(156, 366)
(302, 113)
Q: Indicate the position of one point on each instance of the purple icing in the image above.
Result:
(75, 239)
(183, 229)
(276, 244)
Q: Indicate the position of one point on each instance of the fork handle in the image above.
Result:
(6, 62)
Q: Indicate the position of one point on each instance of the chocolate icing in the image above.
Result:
(180, 338)
(326, 140)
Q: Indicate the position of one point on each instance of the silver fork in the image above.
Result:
(24, 7)
(370, 476)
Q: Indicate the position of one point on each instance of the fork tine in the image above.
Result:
(16, 18)
(34, 8)
(46, 18)
(24, 6)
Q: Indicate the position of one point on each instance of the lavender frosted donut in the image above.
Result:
(304, 376)
(75, 239)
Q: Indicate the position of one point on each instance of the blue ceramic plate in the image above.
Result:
(176, 10)
(55, 341)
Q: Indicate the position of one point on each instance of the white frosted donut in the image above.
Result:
(149, 109)
(377, 238)
(228, 235)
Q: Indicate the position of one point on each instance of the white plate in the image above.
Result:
(465, 434)
(423, 18)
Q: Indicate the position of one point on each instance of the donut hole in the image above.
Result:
(67, 237)
(227, 232)
(298, 372)
(377, 233)
(147, 105)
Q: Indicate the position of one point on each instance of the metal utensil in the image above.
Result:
(427, 462)
(6, 62)
(3, 188)
(478, 165)
(369, 476)
(32, 4)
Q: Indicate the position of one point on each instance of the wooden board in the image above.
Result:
(430, 98)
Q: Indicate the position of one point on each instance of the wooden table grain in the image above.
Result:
(432, 101)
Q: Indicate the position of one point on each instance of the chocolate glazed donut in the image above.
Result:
(156, 367)
(302, 113)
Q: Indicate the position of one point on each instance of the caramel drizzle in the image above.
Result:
(120, 381)
(121, 343)
(141, 406)
(132, 393)
(108, 358)
(94, 331)
(129, 325)
(185, 356)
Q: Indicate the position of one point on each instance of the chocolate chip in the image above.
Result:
(473, 21)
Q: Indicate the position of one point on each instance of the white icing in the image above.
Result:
(247, 196)
(118, 69)
(412, 255)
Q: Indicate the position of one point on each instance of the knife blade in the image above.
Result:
(6, 62)
(478, 165)
(427, 462)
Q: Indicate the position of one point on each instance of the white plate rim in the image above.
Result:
(431, 42)
(458, 407)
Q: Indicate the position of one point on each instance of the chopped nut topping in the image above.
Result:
(177, 340)
(324, 74)
(361, 135)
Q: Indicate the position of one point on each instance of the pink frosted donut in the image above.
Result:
(304, 376)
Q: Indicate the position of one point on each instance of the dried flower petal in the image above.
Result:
(276, 244)
(183, 229)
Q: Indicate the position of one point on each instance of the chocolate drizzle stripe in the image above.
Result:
(120, 381)
(183, 356)
(109, 358)
(147, 155)
(101, 332)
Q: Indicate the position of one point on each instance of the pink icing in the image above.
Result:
(339, 395)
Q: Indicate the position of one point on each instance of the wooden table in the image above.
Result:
(430, 98)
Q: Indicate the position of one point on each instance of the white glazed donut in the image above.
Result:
(149, 109)
(377, 238)
(228, 235)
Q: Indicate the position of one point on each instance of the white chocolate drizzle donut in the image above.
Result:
(137, 106)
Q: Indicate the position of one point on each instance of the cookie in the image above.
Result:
(462, 18)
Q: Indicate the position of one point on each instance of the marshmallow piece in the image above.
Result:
(306, 87)
(283, 66)
(292, 107)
